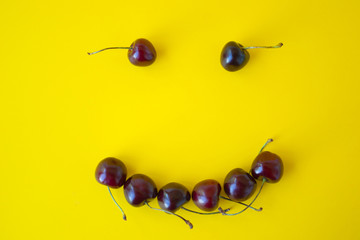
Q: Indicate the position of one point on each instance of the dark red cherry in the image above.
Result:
(138, 189)
(239, 185)
(142, 53)
(111, 172)
(206, 195)
(234, 56)
(172, 196)
(269, 166)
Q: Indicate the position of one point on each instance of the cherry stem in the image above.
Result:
(124, 216)
(233, 214)
(158, 209)
(211, 213)
(259, 210)
(267, 142)
(91, 53)
(279, 45)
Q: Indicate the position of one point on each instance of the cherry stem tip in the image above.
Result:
(190, 224)
(221, 211)
(267, 142)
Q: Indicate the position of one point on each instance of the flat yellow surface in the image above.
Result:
(182, 119)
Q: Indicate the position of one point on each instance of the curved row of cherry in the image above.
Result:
(239, 186)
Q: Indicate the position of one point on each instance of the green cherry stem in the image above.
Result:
(256, 209)
(124, 216)
(158, 209)
(267, 142)
(233, 214)
(279, 45)
(202, 213)
(262, 148)
(91, 53)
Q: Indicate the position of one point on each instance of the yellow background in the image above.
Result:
(182, 119)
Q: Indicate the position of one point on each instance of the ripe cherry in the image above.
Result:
(267, 166)
(206, 194)
(172, 196)
(239, 185)
(235, 56)
(138, 189)
(140, 53)
(111, 172)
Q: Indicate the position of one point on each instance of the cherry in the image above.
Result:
(138, 189)
(112, 173)
(268, 166)
(235, 56)
(239, 185)
(140, 53)
(172, 196)
(206, 194)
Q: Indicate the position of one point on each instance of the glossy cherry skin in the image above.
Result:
(172, 196)
(206, 195)
(111, 172)
(142, 53)
(138, 189)
(269, 166)
(239, 185)
(234, 56)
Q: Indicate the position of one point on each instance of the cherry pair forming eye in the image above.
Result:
(233, 56)
(239, 186)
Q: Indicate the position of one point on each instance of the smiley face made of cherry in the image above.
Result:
(239, 185)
